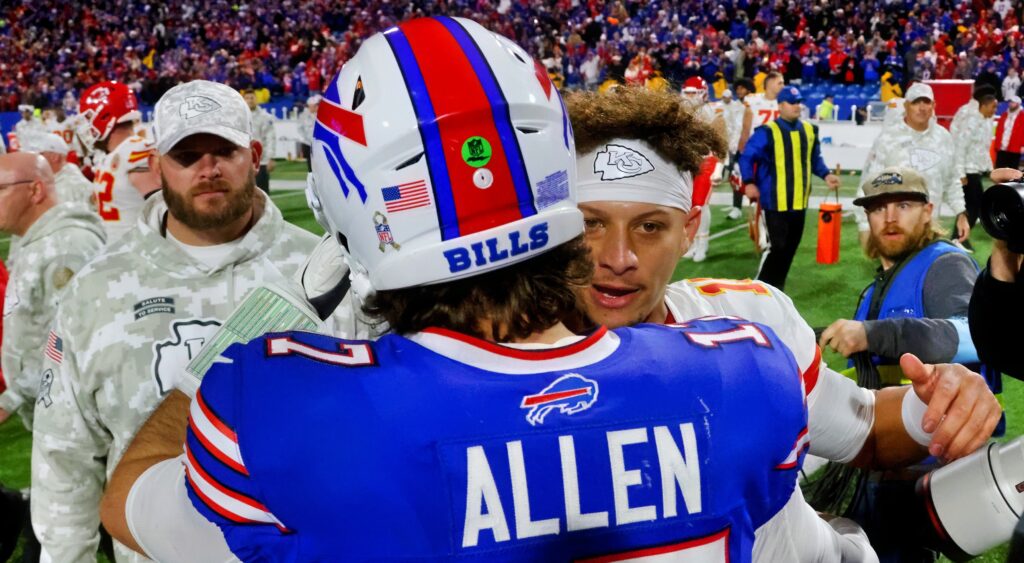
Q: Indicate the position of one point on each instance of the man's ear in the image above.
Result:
(257, 152)
(691, 226)
(38, 192)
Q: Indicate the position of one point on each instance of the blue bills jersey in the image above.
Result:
(675, 442)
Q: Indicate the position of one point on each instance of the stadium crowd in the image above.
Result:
(292, 47)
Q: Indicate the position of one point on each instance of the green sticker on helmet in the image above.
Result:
(476, 152)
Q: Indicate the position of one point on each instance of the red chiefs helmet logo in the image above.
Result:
(98, 96)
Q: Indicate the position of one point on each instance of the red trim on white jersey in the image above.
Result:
(216, 437)
(803, 441)
(810, 375)
(506, 359)
(714, 547)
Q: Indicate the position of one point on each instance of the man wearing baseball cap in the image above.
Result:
(783, 185)
(918, 142)
(130, 321)
(1009, 135)
(71, 184)
(917, 303)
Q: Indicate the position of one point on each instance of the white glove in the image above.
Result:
(324, 276)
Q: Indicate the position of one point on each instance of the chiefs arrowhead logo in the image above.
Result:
(98, 96)
(616, 162)
(924, 159)
(194, 106)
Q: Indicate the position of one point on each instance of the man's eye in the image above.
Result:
(650, 227)
(186, 158)
(591, 224)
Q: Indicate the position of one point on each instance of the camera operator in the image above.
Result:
(997, 304)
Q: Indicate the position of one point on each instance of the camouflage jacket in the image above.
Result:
(263, 131)
(72, 185)
(972, 139)
(127, 325)
(53, 249)
(929, 152)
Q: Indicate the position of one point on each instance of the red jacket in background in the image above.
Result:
(3, 291)
(1016, 136)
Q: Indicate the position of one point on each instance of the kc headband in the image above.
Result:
(631, 170)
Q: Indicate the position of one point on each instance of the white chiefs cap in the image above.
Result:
(45, 142)
(727, 93)
(26, 107)
(201, 106)
(1014, 99)
(919, 90)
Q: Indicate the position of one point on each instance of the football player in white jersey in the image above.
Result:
(58, 123)
(764, 108)
(109, 114)
(637, 227)
(695, 96)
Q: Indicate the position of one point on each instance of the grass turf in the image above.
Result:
(822, 294)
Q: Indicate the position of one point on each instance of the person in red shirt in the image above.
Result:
(1009, 135)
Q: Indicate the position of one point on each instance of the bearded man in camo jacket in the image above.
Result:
(134, 317)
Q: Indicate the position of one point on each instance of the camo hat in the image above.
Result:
(894, 180)
(201, 106)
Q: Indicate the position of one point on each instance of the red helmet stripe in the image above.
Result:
(455, 89)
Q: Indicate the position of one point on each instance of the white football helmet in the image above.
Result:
(442, 151)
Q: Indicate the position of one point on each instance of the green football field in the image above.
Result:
(822, 293)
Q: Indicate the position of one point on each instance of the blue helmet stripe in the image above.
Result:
(333, 149)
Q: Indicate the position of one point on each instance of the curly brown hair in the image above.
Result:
(518, 301)
(659, 118)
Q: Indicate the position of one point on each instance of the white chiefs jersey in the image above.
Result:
(118, 202)
(66, 130)
(764, 110)
(705, 112)
(840, 414)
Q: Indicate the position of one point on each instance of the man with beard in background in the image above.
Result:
(917, 303)
(132, 319)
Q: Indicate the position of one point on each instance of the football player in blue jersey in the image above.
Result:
(482, 428)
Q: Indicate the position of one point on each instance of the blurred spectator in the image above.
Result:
(1009, 135)
(826, 109)
(971, 130)
(307, 120)
(71, 186)
(53, 48)
(263, 133)
(1011, 83)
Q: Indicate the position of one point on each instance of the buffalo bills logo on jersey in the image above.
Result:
(569, 394)
(194, 106)
(616, 162)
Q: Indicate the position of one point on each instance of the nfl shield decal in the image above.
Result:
(380, 223)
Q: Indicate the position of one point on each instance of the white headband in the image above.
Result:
(631, 170)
